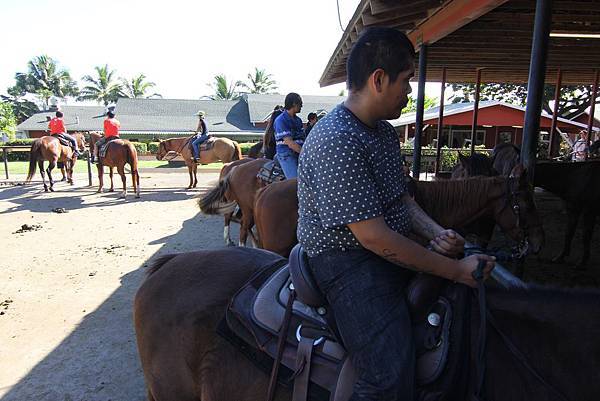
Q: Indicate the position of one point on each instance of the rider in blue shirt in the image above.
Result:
(289, 135)
(201, 135)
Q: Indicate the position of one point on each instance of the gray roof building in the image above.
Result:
(77, 118)
(260, 107)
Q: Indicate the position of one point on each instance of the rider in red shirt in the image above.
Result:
(57, 128)
(111, 131)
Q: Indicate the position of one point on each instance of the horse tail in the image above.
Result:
(33, 157)
(214, 202)
(159, 262)
(237, 151)
(133, 162)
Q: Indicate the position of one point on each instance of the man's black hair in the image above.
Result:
(377, 47)
(292, 99)
(312, 115)
(110, 114)
(59, 114)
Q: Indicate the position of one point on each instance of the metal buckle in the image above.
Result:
(315, 342)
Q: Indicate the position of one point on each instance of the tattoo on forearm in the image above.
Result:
(391, 256)
(421, 223)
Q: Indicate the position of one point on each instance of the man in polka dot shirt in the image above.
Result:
(355, 215)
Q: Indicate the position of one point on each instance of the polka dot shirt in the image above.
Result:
(347, 173)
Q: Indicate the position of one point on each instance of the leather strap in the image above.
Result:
(302, 373)
(283, 332)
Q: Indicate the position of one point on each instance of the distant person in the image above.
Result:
(289, 135)
(580, 147)
(57, 128)
(111, 132)
(201, 135)
(312, 120)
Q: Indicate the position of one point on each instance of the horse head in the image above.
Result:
(472, 166)
(516, 212)
(162, 150)
(80, 139)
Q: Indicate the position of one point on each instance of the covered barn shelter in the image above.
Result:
(502, 41)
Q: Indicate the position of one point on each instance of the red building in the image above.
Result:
(497, 122)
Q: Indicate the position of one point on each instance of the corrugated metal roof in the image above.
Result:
(77, 118)
(260, 107)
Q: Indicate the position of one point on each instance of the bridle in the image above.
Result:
(513, 193)
(162, 145)
(486, 316)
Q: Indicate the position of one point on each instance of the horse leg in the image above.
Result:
(254, 238)
(226, 229)
(41, 168)
(195, 172)
(246, 225)
(49, 171)
(121, 171)
(589, 219)
(573, 214)
(135, 177)
(69, 164)
(191, 176)
(100, 176)
(110, 174)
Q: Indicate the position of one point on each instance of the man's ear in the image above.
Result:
(378, 77)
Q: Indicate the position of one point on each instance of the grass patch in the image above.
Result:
(21, 167)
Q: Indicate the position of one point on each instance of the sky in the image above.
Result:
(179, 45)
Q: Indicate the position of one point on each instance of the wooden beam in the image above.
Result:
(455, 15)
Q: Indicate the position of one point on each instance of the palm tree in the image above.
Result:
(43, 77)
(102, 89)
(260, 82)
(223, 91)
(137, 87)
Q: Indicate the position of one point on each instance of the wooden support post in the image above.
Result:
(420, 112)
(89, 168)
(592, 109)
(5, 154)
(555, 139)
(475, 111)
(535, 86)
(440, 130)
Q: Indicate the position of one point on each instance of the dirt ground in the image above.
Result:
(68, 280)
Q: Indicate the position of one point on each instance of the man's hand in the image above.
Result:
(466, 267)
(448, 242)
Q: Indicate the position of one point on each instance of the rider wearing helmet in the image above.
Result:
(201, 135)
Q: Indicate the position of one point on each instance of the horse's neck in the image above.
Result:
(455, 203)
(553, 330)
(175, 144)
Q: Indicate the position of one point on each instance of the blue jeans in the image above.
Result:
(366, 295)
(289, 164)
(196, 145)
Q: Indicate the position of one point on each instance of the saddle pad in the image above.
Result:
(63, 141)
(271, 172)
(208, 144)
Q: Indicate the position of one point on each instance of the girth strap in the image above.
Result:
(283, 332)
(302, 373)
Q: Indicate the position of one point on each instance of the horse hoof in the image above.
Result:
(45, 189)
(111, 190)
(231, 243)
(137, 196)
(123, 195)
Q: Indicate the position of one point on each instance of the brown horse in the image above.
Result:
(230, 216)
(238, 187)
(50, 149)
(182, 301)
(453, 204)
(578, 184)
(223, 149)
(118, 153)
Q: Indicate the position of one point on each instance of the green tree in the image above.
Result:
(342, 92)
(411, 107)
(22, 108)
(574, 99)
(223, 90)
(44, 79)
(137, 87)
(260, 82)
(8, 121)
(103, 88)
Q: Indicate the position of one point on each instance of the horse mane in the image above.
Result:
(439, 197)
(159, 262)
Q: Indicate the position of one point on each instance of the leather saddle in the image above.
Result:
(63, 141)
(313, 355)
(104, 148)
(204, 146)
(271, 172)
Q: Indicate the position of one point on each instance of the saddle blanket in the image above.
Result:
(271, 172)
